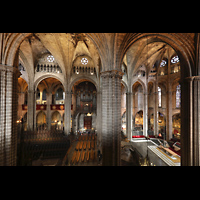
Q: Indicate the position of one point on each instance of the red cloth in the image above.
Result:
(138, 136)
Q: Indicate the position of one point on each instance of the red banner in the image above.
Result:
(44, 107)
(58, 107)
(41, 107)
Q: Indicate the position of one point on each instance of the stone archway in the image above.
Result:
(175, 40)
(41, 120)
(84, 101)
(183, 50)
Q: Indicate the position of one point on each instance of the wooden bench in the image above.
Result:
(73, 157)
(82, 156)
(77, 146)
(87, 155)
(92, 144)
(85, 145)
(88, 145)
(92, 154)
(81, 145)
(78, 156)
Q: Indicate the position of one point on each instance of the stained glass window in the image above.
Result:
(84, 61)
(175, 59)
(163, 63)
(178, 96)
(50, 58)
(159, 97)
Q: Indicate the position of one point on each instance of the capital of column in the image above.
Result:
(192, 78)
(7, 68)
(196, 78)
(112, 73)
(189, 79)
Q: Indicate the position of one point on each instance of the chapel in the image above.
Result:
(101, 94)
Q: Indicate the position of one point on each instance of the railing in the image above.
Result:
(41, 135)
(48, 68)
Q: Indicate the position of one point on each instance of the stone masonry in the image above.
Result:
(8, 115)
(111, 117)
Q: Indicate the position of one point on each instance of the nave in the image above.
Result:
(141, 84)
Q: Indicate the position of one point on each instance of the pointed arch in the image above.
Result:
(179, 42)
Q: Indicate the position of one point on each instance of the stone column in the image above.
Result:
(8, 115)
(20, 103)
(187, 132)
(111, 117)
(74, 125)
(169, 112)
(49, 101)
(31, 110)
(190, 121)
(155, 108)
(129, 114)
(134, 109)
(145, 114)
(196, 120)
(67, 120)
(98, 119)
(169, 105)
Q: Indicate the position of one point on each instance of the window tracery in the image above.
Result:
(50, 58)
(175, 59)
(163, 63)
(84, 61)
